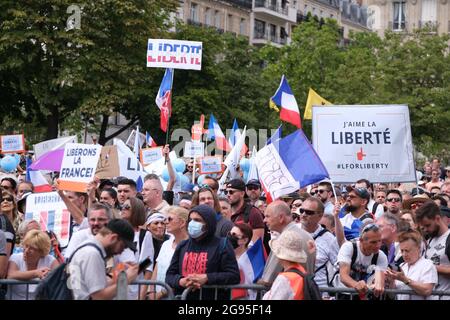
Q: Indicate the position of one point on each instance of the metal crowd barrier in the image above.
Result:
(351, 293)
(256, 287)
(13, 282)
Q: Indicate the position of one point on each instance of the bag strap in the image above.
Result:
(374, 259)
(89, 244)
(142, 234)
(247, 210)
(447, 247)
(296, 271)
(375, 207)
(321, 233)
(354, 254)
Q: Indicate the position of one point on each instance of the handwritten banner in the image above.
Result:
(194, 149)
(150, 155)
(211, 164)
(176, 54)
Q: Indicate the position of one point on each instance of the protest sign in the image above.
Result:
(49, 210)
(108, 163)
(53, 144)
(130, 140)
(149, 155)
(210, 164)
(78, 166)
(194, 149)
(129, 165)
(176, 54)
(14, 143)
(365, 142)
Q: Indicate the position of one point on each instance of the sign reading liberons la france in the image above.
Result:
(176, 54)
(370, 142)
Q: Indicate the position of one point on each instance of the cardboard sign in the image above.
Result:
(194, 149)
(53, 144)
(212, 164)
(130, 140)
(78, 166)
(50, 211)
(12, 143)
(176, 54)
(150, 155)
(108, 164)
(365, 142)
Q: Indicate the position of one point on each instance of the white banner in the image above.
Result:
(194, 149)
(12, 143)
(129, 164)
(53, 144)
(370, 142)
(211, 164)
(176, 54)
(50, 211)
(78, 166)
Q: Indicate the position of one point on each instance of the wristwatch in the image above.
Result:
(408, 281)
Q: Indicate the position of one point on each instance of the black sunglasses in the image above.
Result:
(307, 212)
(314, 192)
(230, 192)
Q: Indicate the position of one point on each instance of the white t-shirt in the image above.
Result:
(19, 292)
(77, 238)
(280, 290)
(164, 258)
(435, 251)
(87, 271)
(422, 271)
(362, 262)
(380, 209)
(327, 250)
(328, 207)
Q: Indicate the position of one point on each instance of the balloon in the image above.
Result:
(17, 157)
(244, 164)
(200, 179)
(8, 163)
(179, 165)
(184, 179)
(165, 175)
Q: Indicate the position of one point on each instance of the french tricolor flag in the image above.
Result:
(251, 266)
(149, 140)
(234, 137)
(39, 182)
(215, 133)
(284, 98)
(164, 99)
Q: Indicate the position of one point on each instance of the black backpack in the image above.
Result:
(310, 288)
(55, 285)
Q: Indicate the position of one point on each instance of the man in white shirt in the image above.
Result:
(327, 248)
(324, 193)
(438, 250)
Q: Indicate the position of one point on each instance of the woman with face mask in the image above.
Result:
(203, 259)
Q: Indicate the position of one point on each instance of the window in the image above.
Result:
(208, 16)
(399, 16)
(217, 19)
(194, 12)
(230, 22)
(260, 29)
(273, 32)
(429, 11)
(242, 27)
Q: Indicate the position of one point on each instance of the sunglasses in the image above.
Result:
(322, 191)
(126, 207)
(252, 188)
(9, 199)
(313, 193)
(307, 212)
(296, 205)
(229, 192)
(393, 200)
(370, 227)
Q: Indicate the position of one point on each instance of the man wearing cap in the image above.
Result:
(87, 267)
(375, 209)
(253, 190)
(357, 214)
(243, 212)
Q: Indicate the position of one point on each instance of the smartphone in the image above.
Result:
(394, 267)
(144, 264)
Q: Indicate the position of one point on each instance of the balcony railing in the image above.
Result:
(258, 35)
(271, 6)
(240, 3)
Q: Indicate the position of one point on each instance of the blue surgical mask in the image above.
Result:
(195, 229)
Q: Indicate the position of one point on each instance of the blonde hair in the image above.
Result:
(180, 212)
(39, 240)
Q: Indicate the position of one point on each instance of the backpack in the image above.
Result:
(310, 289)
(329, 268)
(55, 285)
(335, 281)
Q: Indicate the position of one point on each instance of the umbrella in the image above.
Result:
(49, 161)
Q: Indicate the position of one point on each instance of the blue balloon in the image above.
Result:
(8, 163)
(179, 165)
(165, 175)
(184, 180)
(200, 179)
(17, 156)
(244, 164)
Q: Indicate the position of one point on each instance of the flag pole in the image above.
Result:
(168, 118)
(334, 191)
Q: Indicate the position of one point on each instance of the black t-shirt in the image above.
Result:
(9, 231)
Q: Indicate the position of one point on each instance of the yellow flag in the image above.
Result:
(313, 99)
